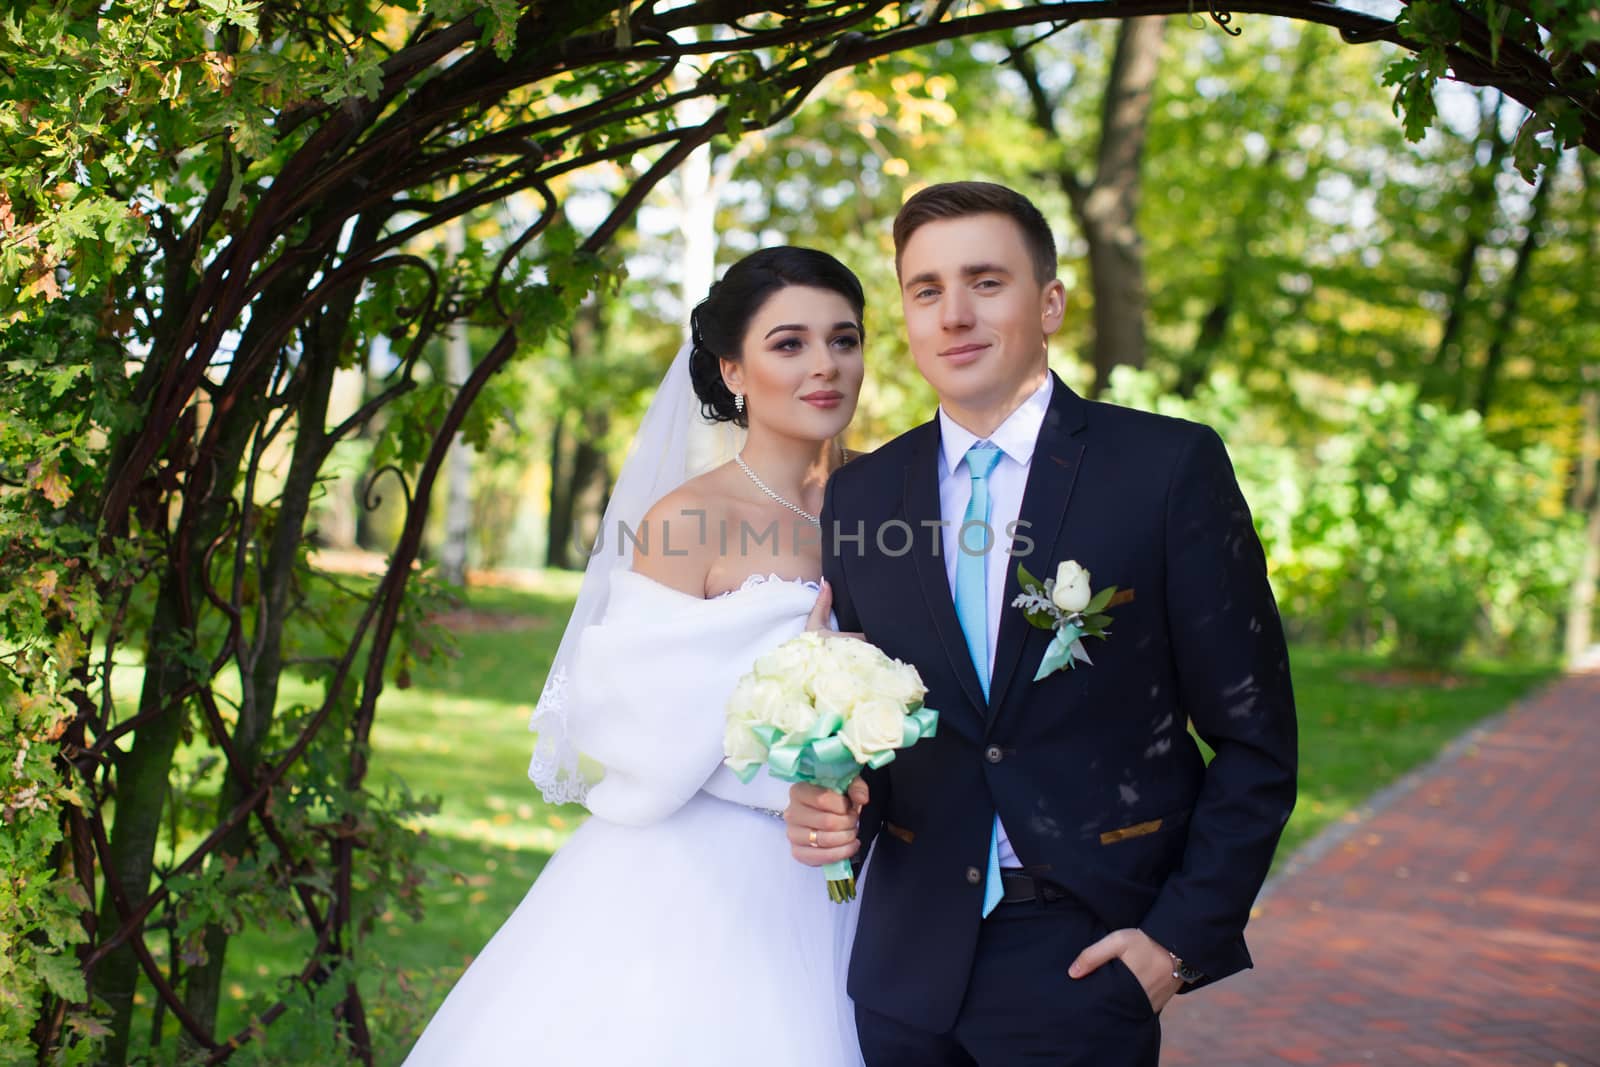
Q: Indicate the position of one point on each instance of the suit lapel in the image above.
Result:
(922, 506)
(1057, 458)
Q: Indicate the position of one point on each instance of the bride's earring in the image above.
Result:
(738, 402)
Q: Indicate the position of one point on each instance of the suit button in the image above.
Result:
(974, 876)
(993, 754)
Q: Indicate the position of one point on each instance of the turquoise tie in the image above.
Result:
(972, 608)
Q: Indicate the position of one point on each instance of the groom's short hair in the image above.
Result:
(954, 200)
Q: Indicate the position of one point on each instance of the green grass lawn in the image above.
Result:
(459, 734)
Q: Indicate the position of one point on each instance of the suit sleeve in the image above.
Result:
(833, 565)
(844, 610)
(1233, 674)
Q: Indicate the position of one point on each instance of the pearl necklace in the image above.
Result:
(767, 489)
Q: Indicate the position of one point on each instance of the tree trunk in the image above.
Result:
(1109, 212)
(579, 481)
(141, 791)
(458, 467)
(142, 772)
(203, 985)
(1447, 365)
(1515, 286)
(262, 664)
(697, 197)
(1586, 466)
(1580, 602)
(591, 482)
(339, 524)
(558, 547)
(1586, 477)
(1107, 207)
(696, 190)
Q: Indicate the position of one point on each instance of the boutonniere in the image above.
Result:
(1067, 605)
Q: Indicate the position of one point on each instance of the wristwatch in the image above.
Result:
(1182, 971)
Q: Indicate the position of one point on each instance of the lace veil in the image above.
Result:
(674, 443)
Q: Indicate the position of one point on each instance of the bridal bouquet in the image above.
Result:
(819, 708)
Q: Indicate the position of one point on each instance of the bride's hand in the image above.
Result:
(821, 612)
(823, 824)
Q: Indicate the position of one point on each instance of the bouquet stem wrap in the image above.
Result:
(818, 756)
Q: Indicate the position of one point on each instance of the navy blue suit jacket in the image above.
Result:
(1094, 772)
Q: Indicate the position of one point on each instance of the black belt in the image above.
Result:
(1019, 887)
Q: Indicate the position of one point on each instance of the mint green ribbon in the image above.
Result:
(1059, 654)
(817, 756)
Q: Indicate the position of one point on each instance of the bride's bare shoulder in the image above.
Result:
(674, 544)
(702, 498)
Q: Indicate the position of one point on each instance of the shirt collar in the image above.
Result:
(1017, 436)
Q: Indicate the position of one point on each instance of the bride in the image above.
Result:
(674, 928)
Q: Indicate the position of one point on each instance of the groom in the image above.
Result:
(1060, 859)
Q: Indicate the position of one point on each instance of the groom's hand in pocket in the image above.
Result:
(822, 824)
(1150, 963)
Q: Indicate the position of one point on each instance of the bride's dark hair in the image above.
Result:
(719, 322)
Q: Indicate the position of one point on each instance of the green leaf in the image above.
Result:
(1528, 151)
(1437, 22)
(1099, 601)
(61, 974)
(233, 13)
(499, 21)
(1415, 77)
(1026, 579)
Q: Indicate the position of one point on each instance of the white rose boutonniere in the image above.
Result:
(1071, 592)
(1068, 605)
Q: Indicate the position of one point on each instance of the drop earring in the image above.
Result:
(738, 403)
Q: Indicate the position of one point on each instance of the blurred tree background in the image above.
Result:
(326, 327)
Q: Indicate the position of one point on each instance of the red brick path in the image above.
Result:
(1459, 924)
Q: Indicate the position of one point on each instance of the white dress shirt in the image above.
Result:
(1016, 438)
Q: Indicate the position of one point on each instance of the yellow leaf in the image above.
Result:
(218, 69)
(69, 650)
(49, 481)
(58, 728)
(41, 278)
(73, 890)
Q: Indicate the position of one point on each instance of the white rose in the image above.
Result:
(790, 661)
(769, 702)
(877, 725)
(902, 683)
(741, 746)
(880, 683)
(1072, 587)
(808, 639)
(741, 702)
(795, 714)
(839, 691)
(847, 653)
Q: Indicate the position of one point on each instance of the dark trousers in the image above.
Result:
(1022, 1008)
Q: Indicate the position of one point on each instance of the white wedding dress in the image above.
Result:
(674, 927)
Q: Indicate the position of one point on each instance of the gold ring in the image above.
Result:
(811, 839)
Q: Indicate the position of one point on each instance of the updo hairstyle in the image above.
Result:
(718, 324)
